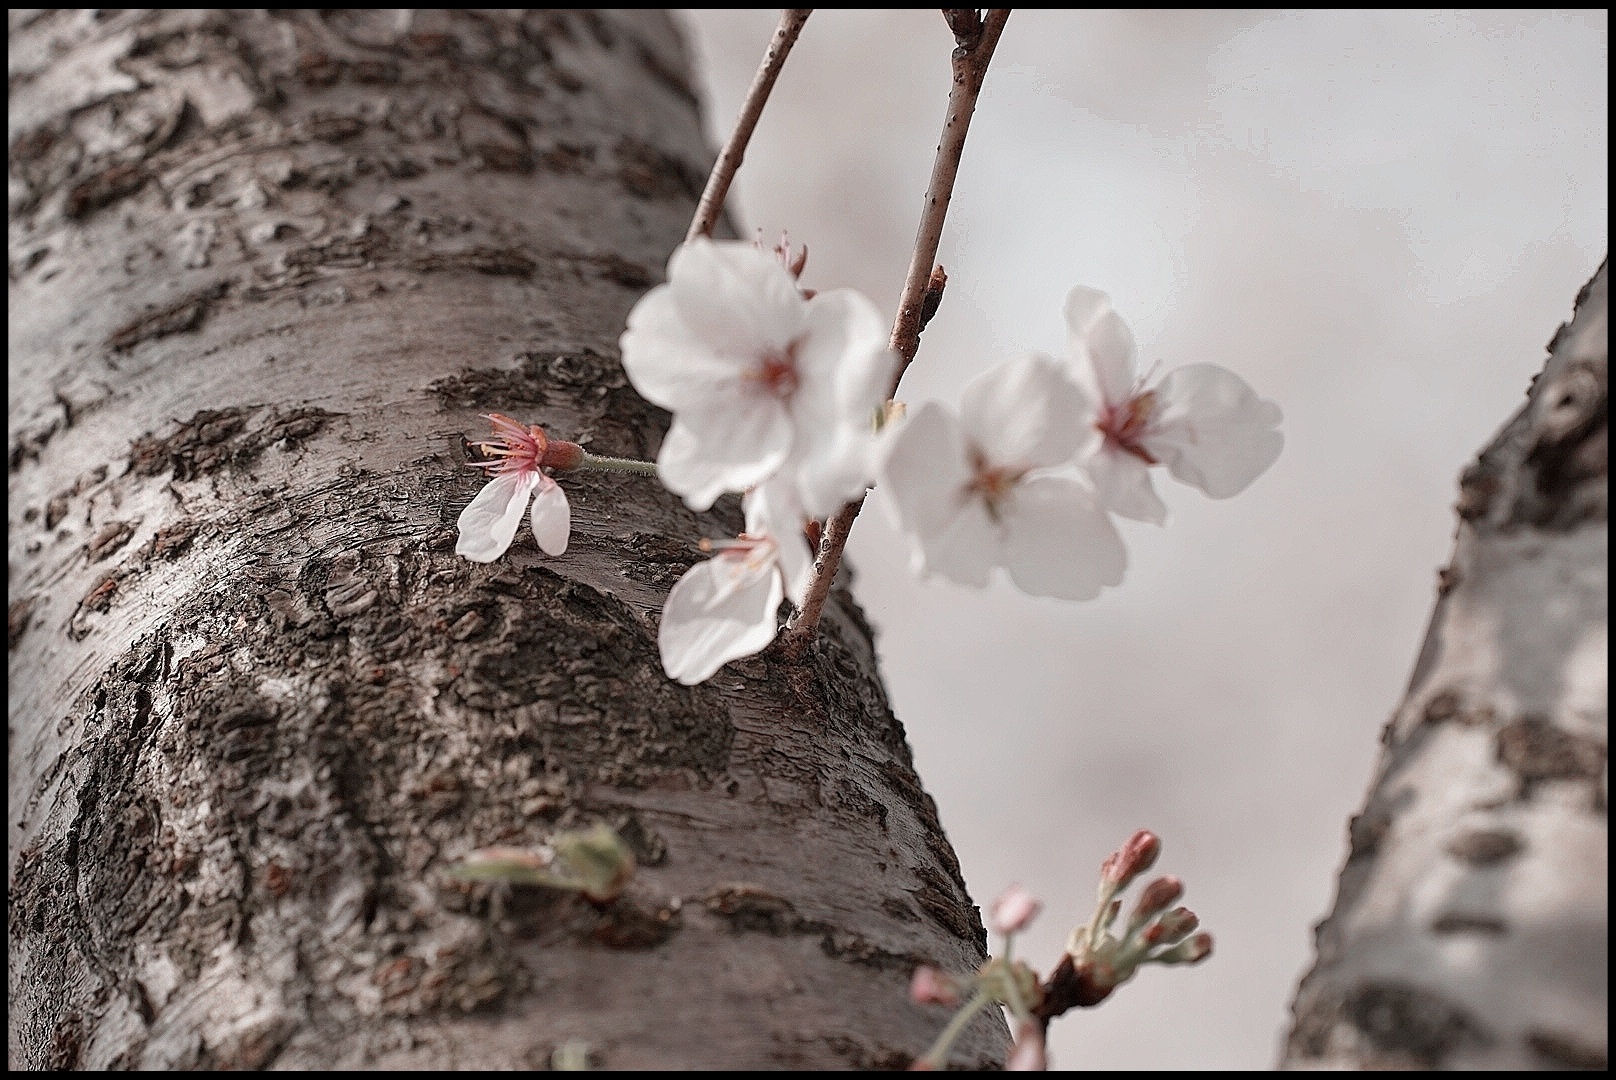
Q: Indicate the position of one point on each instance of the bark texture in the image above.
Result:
(1470, 926)
(266, 270)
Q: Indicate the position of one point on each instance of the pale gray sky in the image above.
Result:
(1377, 219)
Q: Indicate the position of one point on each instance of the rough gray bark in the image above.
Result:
(1470, 926)
(266, 269)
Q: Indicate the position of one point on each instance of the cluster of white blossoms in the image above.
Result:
(773, 392)
(1043, 451)
(778, 394)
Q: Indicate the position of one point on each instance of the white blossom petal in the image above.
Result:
(670, 365)
(845, 372)
(1060, 542)
(967, 549)
(488, 523)
(924, 470)
(1100, 342)
(843, 359)
(719, 611)
(772, 510)
(838, 471)
(1021, 412)
(1211, 430)
(1123, 484)
(551, 517)
(713, 450)
(736, 297)
(796, 565)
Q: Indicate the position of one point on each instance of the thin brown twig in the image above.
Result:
(970, 65)
(757, 95)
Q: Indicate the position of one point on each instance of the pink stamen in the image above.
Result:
(991, 482)
(1125, 425)
(519, 448)
(745, 547)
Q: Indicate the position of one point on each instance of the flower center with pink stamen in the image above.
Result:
(754, 551)
(991, 483)
(777, 372)
(519, 448)
(1124, 425)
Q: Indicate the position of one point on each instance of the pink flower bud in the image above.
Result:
(1154, 900)
(1131, 859)
(1172, 927)
(929, 986)
(1193, 951)
(1028, 1054)
(1014, 909)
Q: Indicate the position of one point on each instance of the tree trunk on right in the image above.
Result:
(1470, 923)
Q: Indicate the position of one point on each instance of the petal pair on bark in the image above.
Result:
(489, 522)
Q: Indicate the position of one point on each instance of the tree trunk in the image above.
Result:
(1470, 925)
(266, 269)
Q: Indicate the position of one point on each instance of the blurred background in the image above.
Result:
(1378, 220)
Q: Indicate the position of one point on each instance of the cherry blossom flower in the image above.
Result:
(725, 608)
(760, 378)
(488, 523)
(1202, 421)
(978, 490)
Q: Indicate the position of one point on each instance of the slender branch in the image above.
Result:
(970, 65)
(800, 631)
(757, 95)
(922, 289)
(966, 23)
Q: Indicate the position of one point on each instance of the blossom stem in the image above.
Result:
(757, 95)
(1101, 923)
(937, 1056)
(970, 66)
(617, 464)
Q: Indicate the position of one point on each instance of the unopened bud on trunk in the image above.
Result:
(596, 859)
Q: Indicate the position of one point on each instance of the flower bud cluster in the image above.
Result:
(1003, 980)
(1095, 963)
(1155, 932)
